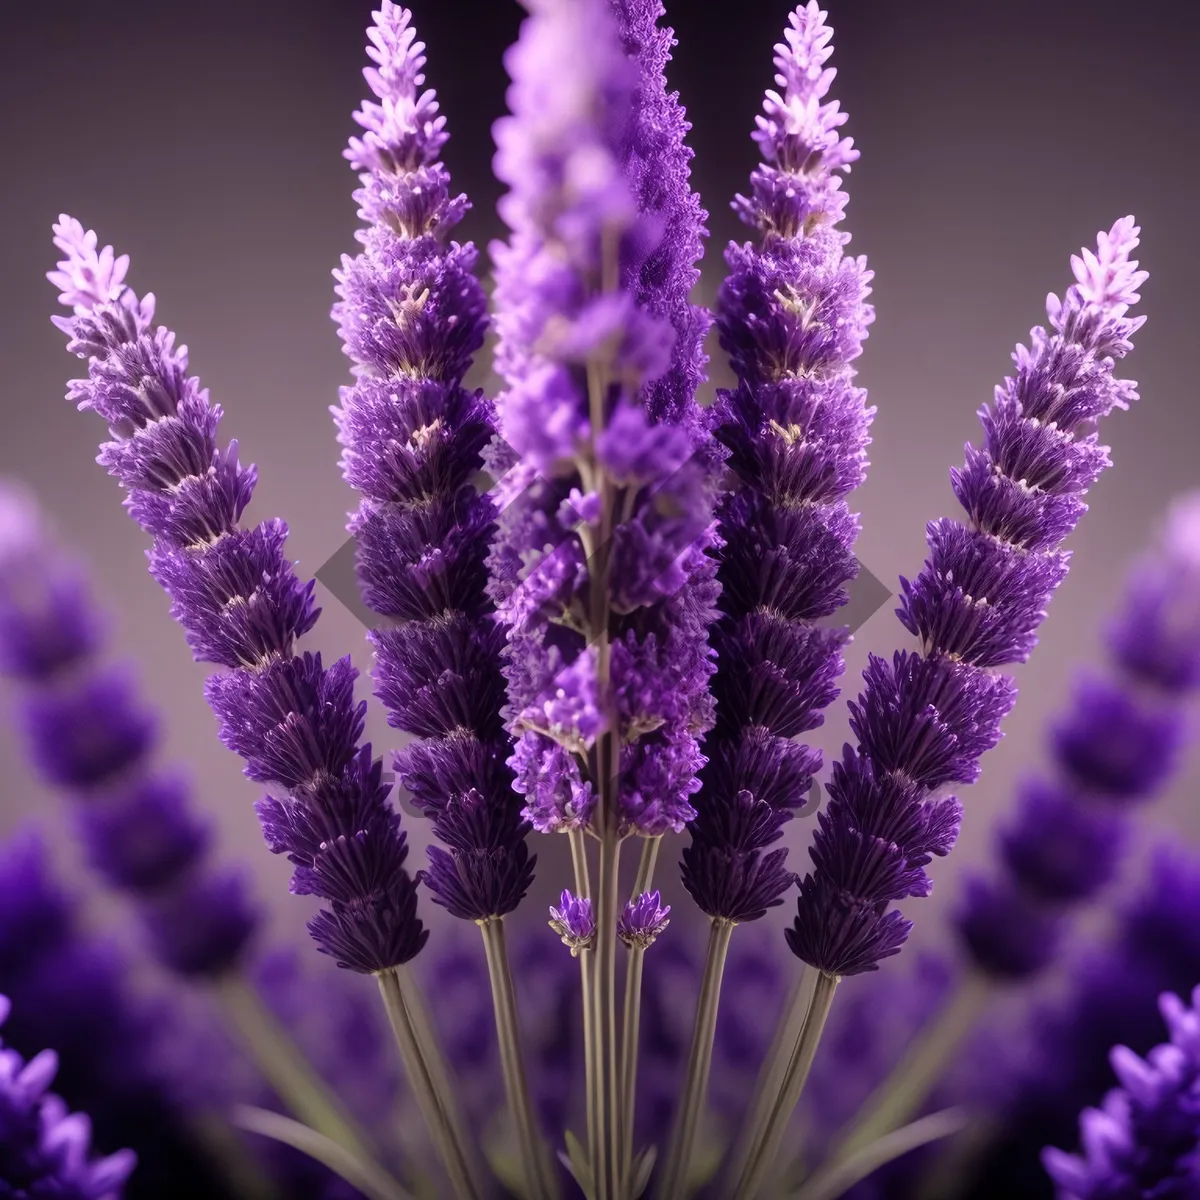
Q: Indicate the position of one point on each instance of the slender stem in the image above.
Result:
(630, 1029)
(771, 1076)
(909, 1083)
(595, 1101)
(630, 1026)
(583, 882)
(540, 1182)
(800, 1061)
(369, 1179)
(583, 889)
(607, 1173)
(285, 1067)
(646, 865)
(419, 1081)
(444, 1087)
(841, 1175)
(695, 1088)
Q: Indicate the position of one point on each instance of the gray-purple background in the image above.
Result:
(205, 140)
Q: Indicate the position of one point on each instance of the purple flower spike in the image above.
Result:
(600, 567)
(574, 923)
(1145, 1140)
(88, 734)
(411, 314)
(293, 720)
(44, 1149)
(1118, 745)
(796, 432)
(644, 919)
(925, 719)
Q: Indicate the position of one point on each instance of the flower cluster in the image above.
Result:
(1117, 745)
(925, 718)
(411, 314)
(599, 567)
(792, 317)
(1145, 1141)
(44, 1149)
(89, 735)
(292, 719)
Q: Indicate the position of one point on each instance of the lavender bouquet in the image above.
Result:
(604, 608)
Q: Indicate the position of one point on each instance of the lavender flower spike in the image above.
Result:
(606, 508)
(792, 316)
(293, 720)
(411, 314)
(1145, 1141)
(44, 1149)
(88, 734)
(1118, 745)
(925, 718)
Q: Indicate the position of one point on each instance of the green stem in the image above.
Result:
(908, 1085)
(444, 1087)
(631, 1025)
(695, 1089)
(630, 1029)
(607, 1167)
(754, 1173)
(541, 1182)
(285, 1067)
(583, 890)
(448, 1151)
(770, 1077)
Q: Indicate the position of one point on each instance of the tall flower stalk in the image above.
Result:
(792, 315)
(294, 721)
(605, 504)
(926, 717)
(411, 314)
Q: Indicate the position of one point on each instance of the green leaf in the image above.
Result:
(576, 1161)
(370, 1179)
(643, 1165)
(708, 1154)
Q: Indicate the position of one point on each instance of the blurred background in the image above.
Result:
(205, 140)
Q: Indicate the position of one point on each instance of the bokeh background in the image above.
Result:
(205, 139)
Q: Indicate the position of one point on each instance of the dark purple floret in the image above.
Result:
(925, 719)
(150, 839)
(1117, 744)
(792, 316)
(237, 597)
(411, 315)
(88, 733)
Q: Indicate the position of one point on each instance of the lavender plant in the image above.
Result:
(603, 609)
